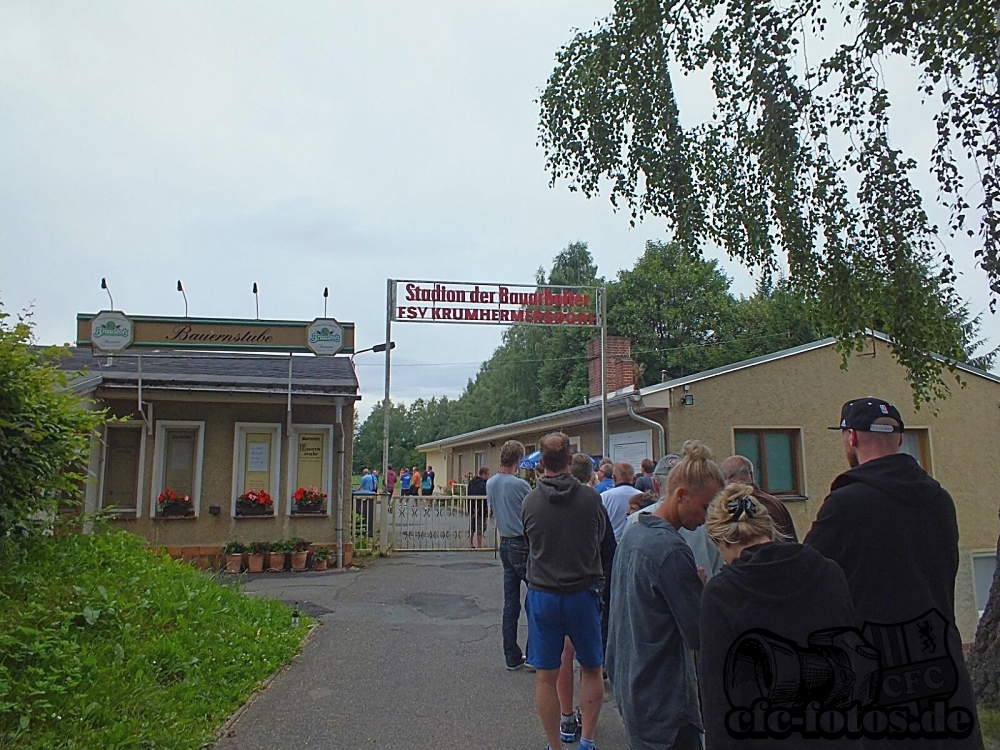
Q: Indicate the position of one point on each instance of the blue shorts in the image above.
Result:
(552, 617)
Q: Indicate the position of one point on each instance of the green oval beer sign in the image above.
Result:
(111, 332)
(325, 336)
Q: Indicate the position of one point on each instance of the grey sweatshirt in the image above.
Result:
(564, 523)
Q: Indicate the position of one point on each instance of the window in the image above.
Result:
(775, 456)
(915, 444)
(309, 462)
(461, 474)
(480, 460)
(121, 478)
(983, 567)
(257, 461)
(177, 462)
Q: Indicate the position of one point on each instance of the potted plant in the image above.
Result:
(234, 556)
(169, 503)
(278, 553)
(300, 553)
(255, 558)
(321, 556)
(254, 503)
(309, 500)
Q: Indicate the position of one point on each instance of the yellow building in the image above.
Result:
(775, 410)
(210, 427)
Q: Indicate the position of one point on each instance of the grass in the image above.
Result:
(989, 722)
(103, 644)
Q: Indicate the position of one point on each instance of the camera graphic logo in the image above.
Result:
(892, 680)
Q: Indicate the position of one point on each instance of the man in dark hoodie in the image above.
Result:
(894, 532)
(564, 523)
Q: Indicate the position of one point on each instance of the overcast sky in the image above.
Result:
(296, 145)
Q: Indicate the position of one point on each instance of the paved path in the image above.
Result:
(408, 656)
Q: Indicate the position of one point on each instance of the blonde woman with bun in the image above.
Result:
(655, 606)
(785, 588)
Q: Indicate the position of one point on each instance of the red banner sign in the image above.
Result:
(494, 304)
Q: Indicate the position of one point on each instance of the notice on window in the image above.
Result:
(258, 457)
(181, 449)
(310, 468)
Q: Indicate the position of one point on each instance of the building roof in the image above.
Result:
(620, 399)
(210, 371)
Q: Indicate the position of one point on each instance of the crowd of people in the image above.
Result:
(686, 588)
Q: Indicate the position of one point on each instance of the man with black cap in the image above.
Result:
(893, 530)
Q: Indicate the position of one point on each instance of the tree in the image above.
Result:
(45, 431)
(796, 166)
(673, 305)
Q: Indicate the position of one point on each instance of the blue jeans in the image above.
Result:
(514, 556)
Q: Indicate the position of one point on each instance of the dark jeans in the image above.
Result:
(514, 556)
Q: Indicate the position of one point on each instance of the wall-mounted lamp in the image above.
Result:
(687, 388)
(104, 286)
(687, 399)
(180, 288)
(214, 509)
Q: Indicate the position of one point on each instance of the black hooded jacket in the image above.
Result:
(893, 530)
(564, 524)
(787, 589)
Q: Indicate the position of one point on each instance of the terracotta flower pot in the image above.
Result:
(234, 563)
(276, 561)
(319, 565)
(299, 560)
(255, 562)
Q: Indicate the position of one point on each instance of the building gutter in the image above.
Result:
(646, 421)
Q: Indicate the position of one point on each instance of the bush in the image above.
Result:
(103, 644)
(44, 431)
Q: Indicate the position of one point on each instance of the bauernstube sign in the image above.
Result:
(113, 331)
(494, 304)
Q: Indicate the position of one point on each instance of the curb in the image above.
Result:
(226, 728)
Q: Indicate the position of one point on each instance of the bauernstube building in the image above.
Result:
(211, 412)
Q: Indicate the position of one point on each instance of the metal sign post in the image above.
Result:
(390, 297)
(605, 446)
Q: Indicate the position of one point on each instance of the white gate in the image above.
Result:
(441, 523)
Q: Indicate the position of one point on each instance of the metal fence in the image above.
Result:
(433, 523)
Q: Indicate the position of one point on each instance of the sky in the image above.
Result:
(301, 145)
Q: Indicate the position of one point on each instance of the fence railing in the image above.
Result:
(432, 523)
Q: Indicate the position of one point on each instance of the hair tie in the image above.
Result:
(742, 505)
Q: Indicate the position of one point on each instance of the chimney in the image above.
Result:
(619, 361)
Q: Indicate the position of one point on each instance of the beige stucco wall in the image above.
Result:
(220, 415)
(805, 392)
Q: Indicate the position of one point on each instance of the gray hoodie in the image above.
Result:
(564, 524)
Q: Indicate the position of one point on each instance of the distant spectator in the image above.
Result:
(640, 501)
(505, 492)
(477, 508)
(390, 480)
(616, 499)
(605, 476)
(740, 469)
(644, 482)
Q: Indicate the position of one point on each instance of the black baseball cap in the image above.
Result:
(860, 414)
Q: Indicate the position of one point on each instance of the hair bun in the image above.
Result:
(695, 450)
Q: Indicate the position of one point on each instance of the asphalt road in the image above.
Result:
(407, 655)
